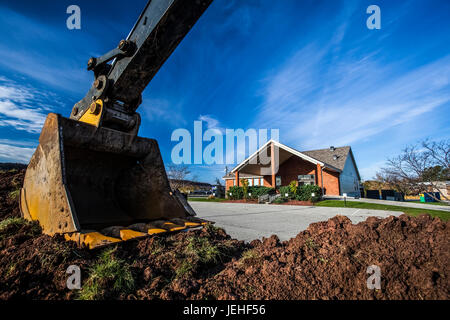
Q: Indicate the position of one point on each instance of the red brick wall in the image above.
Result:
(331, 182)
(228, 184)
(294, 166)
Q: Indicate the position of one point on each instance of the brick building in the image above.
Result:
(275, 165)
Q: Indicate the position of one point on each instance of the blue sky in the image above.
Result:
(311, 69)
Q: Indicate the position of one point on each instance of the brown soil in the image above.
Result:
(327, 261)
(11, 181)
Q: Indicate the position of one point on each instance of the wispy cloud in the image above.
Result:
(15, 151)
(19, 107)
(212, 123)
(43, 56)
(349, 102)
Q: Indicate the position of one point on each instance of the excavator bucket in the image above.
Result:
(99, 186)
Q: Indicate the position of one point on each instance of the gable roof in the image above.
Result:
(281, 146)
(328, 156)
(323, 157)
(302, 155)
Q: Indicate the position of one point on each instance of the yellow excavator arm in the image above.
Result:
(91, 177)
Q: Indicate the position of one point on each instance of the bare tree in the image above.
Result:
(419, 167)
(177, 175)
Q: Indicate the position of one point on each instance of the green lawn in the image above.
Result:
(435, 203)
(206, 199)
(444, 215)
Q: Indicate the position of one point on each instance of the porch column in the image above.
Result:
(237, 178)
(319, 177)
(272, 163)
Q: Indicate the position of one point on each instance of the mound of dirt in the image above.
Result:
(329, 260)
(11, 180)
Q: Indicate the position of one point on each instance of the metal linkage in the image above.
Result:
(158, 31)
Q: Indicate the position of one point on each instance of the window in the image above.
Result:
(306, 179)
(278, 181)
(250, 182)
(256, 182)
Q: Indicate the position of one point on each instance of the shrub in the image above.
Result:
(244, 183)
(235, 193)
(304, 193)
(293, 186)
(280, 200)
(257, 191)
(286, 190)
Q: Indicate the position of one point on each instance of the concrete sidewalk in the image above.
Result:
(254, 221)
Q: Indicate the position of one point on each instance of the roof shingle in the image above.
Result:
(327, 156)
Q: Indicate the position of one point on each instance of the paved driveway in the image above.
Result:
(254, 221)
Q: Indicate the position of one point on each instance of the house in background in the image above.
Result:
(332, 169)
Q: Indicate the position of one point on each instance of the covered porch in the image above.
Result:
(278, 165)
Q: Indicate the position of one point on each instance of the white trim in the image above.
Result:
(286, 148)
(251, 177)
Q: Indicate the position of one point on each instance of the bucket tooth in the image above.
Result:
(197, 220)
(113, 231)
(148, 228)
(90, 239)
(141, 227)
(122, 233)
(127, 234)
(167, 225)
(186, 223)
(156, 230)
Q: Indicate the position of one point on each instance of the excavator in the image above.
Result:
(92, 178)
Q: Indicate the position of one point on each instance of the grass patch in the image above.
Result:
(199, 251)
(310, 243)
(444, 215)
(59, 254)
(249, 255)
(14, 195)
(12, 222)
(203, 250)
(108, 274)
(11, 269)
(211, 228)
(10, 226)
(433, 203)
(157, 246)
(184, 269)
